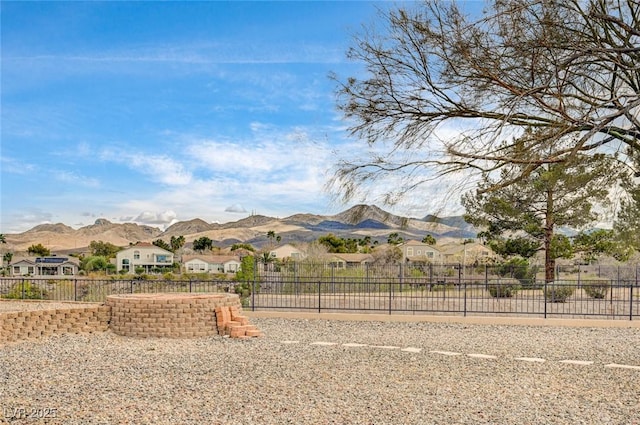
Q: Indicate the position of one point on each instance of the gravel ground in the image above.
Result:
(108, 379)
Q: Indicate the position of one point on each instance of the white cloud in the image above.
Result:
(268, 155)
(27, 220)
(160, 168)
(235, 208)
(150, 217)
(15, 166)
(272, 172)
(71, 177)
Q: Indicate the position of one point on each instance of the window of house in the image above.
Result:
(409, 252)
(16, 269)
(30, 269)
(430, 254)
(136, 255)
(418, 252)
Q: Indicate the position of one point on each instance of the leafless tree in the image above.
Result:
(570, 69)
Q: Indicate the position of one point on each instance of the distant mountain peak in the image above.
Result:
(48, 227)
(196, 225)
(361, 212)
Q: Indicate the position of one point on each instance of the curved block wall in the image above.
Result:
(168, 315)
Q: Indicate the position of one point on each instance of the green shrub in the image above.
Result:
(244, 289)
(596, 288)
(503, 290)
(27, 291)
(557, 293)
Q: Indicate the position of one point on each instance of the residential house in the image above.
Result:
(143, 255)
(413, 250)
(211, 263)
(470, 253)
(286, 251)
(45, 266)
(345, 261)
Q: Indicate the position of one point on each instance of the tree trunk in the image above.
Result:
(549, 259)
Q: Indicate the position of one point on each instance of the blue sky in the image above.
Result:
(154, 112)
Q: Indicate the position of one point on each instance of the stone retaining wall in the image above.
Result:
(22, 325)
(168, 315)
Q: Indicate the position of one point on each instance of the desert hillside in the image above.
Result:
(356, 222)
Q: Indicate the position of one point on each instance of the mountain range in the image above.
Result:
(356, 222)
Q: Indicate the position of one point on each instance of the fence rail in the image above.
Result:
(601, 298)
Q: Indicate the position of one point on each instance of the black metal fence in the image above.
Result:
(97, 290)
(422, 288)
(599, 292)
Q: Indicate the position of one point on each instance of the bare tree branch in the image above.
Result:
(570, 69)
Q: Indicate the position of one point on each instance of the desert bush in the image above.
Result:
(558, 293)
(503, 290)
(244, 289)
(520, 269)
(596, 288)
(26, 291)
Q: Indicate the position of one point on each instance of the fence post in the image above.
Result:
(319, 295)
(333, 278)
(465, 298)
(253, 283)
(486, 277)
(390, 294)
(131, 286)
(544, 297)
(75, 289)
(400, 276)
(611, 297)
(22, 288)
(631, 301)
(190, 284)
